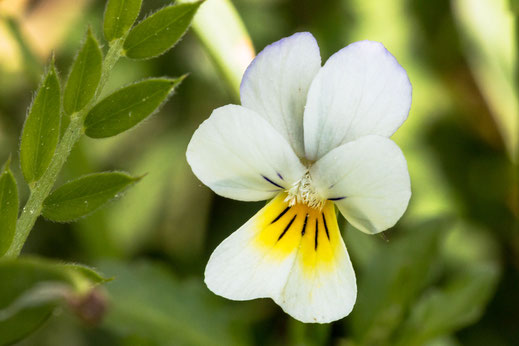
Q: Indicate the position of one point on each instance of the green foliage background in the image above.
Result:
(448, 273)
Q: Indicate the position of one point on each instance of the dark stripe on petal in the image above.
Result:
(280, 215)
(280, 176)
(326, 227)
(273, 183)
(304, 225)
(316, 232)
(336, 198)
(286, 228)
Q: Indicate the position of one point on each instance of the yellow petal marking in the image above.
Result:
(283, 229)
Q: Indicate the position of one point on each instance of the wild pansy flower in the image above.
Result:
(312, 139)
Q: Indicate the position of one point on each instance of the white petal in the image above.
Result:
(239, 155)
(279, 254)
(361, 90)
(276, 84)
(368, 180)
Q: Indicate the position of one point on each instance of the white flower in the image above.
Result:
(311, 138)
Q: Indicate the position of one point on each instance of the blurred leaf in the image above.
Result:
(445, 340)
(31, 62)
(308, 334)
(90, 233)
(489, 38)
(186, 217)
(147, 302)
(8, 207)
(131, 220)
(30, 289)
(84, 195)
(362, 247)
(223, 34)
(41, 130)
(65, 329)
(84, 76)
(119, 17)
(468, 243)
(393, 278)
(93, 237)
(128, 106)
(160, 31)
(442, 311)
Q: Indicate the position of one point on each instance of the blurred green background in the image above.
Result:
(447, 274)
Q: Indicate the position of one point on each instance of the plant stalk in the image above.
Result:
(42, 188)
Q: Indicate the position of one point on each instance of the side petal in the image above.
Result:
(276, 84)
(239, 155)
(361, 90)
(368, 180)
(294, 255)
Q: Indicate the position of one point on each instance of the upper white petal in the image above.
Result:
(369, 181)
(276, 84)
(240, 155)
(361, 90)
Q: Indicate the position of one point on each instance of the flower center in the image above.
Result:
(303, 191)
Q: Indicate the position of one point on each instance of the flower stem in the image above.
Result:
(41, 189)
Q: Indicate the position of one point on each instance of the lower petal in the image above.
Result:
(321, 286)
(251, 263)
(292, 254)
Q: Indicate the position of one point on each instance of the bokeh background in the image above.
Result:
(447, 274)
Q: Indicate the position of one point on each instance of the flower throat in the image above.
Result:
(303, 192)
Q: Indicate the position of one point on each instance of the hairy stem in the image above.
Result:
(41, 189)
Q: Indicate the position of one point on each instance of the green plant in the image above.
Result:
(57, 118)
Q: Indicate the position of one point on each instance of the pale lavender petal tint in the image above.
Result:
(276, 83)
(267, 48)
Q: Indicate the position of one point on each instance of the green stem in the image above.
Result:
(41, 189)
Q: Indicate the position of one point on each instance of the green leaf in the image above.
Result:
(160, 31)
(514, 6)
(42, 127)
(8, 208)
(31, 288)
(149, 303)
(308, 334)
(84, 275)
(84, 76)
(461, 302)
(392, 279)
(84, 195)
(492, 58)
(119, 17)
(127, 107)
